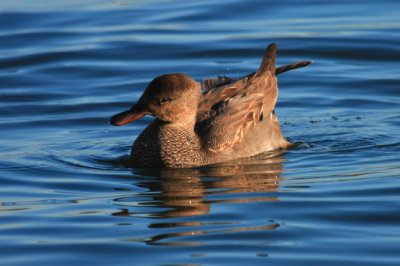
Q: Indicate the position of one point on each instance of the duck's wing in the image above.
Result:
(212, 83)
(215, 97)
(227, 113)
(222, 88)
(231, 121)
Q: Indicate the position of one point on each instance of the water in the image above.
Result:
(67, 198)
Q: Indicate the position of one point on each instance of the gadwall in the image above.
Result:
(205, 123)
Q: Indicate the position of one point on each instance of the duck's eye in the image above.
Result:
(164, 100)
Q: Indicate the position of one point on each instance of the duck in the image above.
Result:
(202, 123)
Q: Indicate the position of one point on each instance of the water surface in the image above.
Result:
(67, 198)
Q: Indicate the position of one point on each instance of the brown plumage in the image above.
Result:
(230, 119)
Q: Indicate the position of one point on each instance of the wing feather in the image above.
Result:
(230, 109)
(228, 128)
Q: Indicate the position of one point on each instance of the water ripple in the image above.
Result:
(67, 194)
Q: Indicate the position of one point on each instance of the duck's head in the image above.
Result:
(170, 98)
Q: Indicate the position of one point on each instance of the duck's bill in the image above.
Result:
(126, 117)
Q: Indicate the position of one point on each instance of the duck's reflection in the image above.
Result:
(192, 192)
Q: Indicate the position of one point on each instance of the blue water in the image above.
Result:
(66, 197)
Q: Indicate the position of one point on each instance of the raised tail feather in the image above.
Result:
(285, 68)
(269, 61)
(268, 64)
(282, 69)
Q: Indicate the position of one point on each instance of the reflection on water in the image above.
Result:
(192, 192)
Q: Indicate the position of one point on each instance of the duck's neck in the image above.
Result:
(164, 144)
(177, 134)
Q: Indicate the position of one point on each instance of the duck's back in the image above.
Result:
(237, 119)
